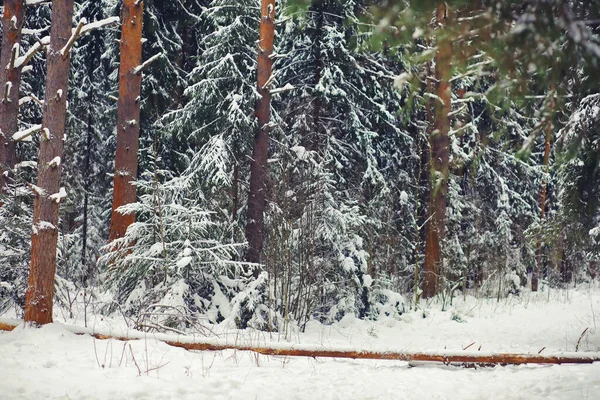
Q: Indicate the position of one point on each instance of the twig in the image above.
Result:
(581, 337)
(542, 349)
(96, 353)
(157, 367)
(469, 346)
(134, 361)
(157, 326)
(123, 353)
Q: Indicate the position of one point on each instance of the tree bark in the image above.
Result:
(40, 289)
(258, 164)
(128, 116)
(438, 164)
(10, 79)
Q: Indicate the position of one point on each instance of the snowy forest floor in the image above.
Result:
(53, 363)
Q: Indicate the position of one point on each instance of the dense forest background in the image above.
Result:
(396, 131)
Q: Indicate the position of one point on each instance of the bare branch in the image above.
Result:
(140, 68)
(74, 36)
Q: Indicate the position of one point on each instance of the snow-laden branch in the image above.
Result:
(25, 135)
(140, 68)
(30, 98)
(7, 90)
(36, 2)
(283, 89)
(27, 31)
(82, 28)
(16, 49)
(25, 58)
(57, 197)
(99, 24)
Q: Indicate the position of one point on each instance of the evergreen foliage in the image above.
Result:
(348, 173)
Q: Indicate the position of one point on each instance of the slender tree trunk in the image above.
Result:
(438, 164)
(235, 191)
(535, 276)
(258, 165)
(314, 137)
(128, 118)
(10, 79)
(86, 178)
(40, 289)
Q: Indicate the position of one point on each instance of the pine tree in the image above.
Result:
(255, 234)
(40, 290)
(84, 226)
(439, 159)
(128, 120)
(13, 18)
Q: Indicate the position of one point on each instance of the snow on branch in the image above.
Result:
(27, 31)
(82, 28)
(36, 189)
(7, 90)
(36, 2)
(30, 98)
(25, 135)
(25, 58)
(99, 24)
(57, 197)
(13, 56)
(140, 68)
(283, 89)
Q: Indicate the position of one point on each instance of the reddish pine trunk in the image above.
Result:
(40, 289)
(9, 77)
(438, 164)
(258, 165)
(128, 119)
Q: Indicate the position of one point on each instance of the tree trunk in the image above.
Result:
(10, 79)
(128, 117)
(87, 183)
(258, 164)
(314, 138)
(438, 164)
(40, 289)
(535, 276)
(235, 192)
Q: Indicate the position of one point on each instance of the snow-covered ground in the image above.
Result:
(53, 363)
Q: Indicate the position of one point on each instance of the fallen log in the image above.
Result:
(463, 358)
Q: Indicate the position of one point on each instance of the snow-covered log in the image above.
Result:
(471, 358)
